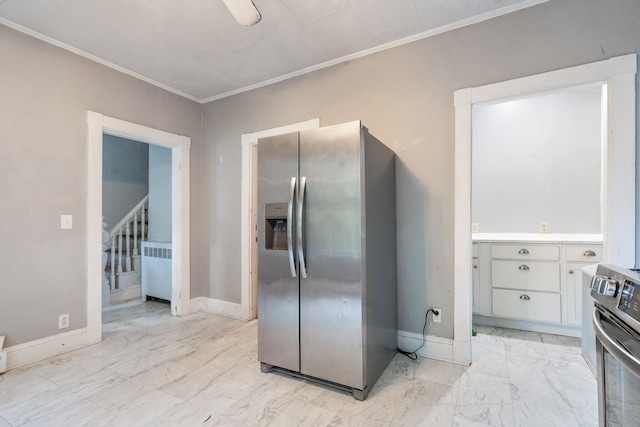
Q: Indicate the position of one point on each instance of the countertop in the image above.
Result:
(537, 238)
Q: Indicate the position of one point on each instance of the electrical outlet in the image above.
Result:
(544, 227)
(437, 318)
(63, 321)
(66, 222)
(475, 228)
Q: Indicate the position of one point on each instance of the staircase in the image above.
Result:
(121, 255)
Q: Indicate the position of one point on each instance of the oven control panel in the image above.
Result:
(617, 290)
(630, 299)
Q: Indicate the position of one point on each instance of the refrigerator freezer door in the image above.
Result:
(331, 319)
(278, 285)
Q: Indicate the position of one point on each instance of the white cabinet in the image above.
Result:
(531, 285)
(578, 257)
(525, 281)
(481, 264)
(475, 279)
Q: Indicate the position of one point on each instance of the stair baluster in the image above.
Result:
(120, 251)
(142, 223)
(128, 258)
(112, 283)
(124, 260)
(135, 234)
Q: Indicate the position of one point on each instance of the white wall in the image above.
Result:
(538, 160)
(159, 194)
(125, 176)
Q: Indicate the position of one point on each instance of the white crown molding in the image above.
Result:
(423, 35)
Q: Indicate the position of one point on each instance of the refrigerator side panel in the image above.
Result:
(380, 285)
(278, 291)
(331, 343)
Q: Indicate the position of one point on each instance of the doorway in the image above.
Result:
(536, 188)
(98, 125)
(136, 209)
(618, 195)
(249, 214)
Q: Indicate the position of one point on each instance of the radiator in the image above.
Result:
(156, 270)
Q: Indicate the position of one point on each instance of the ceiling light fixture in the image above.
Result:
(244, 12)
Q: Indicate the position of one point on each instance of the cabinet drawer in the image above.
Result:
(526, 251)
(583, 253)
(526, 275)
(539, 306)
(474, 250)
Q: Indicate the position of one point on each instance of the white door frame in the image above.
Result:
(98, 125)
(618, 190)
(248, 210)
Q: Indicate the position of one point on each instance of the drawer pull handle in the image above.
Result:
(523, 267)
(589, 253)
(570, 271)
(475, 266)
(525, 297)
(523, 251)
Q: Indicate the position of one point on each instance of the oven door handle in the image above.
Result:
(627, 359)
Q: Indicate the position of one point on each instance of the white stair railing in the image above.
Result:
(123, 263)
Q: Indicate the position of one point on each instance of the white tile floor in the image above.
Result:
(156, 370)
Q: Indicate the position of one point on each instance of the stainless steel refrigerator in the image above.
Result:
(327, 256)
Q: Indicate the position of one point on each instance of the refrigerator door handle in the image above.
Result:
(292, 192)
(303, 267)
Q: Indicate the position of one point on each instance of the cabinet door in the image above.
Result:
(574, 293)
(527, 305)
(527, 251)
(584, 253)
(476, 285)
(526, 275)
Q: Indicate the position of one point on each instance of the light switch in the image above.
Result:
(66, 222)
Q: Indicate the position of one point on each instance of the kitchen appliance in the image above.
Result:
(327, 256)
(588, 331)
(616, 319)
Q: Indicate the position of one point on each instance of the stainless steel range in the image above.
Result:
(616, 319)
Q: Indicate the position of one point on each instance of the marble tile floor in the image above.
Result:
(202, 370)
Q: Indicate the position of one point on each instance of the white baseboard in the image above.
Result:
(34, 351)
(547, 328)
(434, 347)
(219, 307)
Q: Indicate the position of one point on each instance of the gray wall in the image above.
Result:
(159, 194)
(538, 160)
(46, 92)
(405, 97)
(125, 176)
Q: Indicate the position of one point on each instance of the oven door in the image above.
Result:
(618, 360)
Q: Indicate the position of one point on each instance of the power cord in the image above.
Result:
(413, 355)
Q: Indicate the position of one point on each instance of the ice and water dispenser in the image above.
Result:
(275, 229)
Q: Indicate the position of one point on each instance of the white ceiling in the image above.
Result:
(196, 49)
